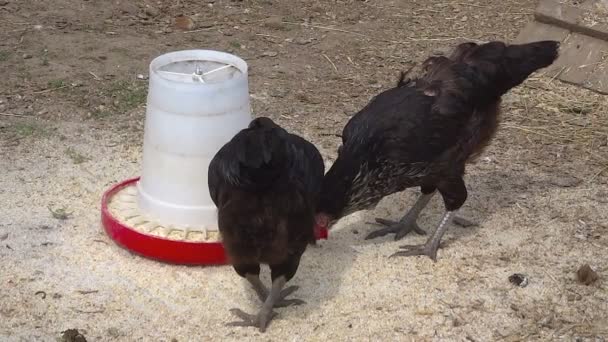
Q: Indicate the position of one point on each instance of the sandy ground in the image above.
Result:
(60, 274)
(539, 194)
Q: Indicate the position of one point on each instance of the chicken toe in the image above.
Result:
(400, 229)
(262, 292)
(260, 320)
(283, 302)
(406, 224)
(413, 250)
(432, 244)
(266, 313)
(289, 302)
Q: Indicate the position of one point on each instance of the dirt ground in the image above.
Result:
(71, 122)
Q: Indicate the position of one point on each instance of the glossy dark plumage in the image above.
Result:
(265, 183)
(423, 131)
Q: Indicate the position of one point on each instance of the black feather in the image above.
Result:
(423, 134)
(265, 183)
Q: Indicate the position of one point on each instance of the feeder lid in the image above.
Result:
(198, 71)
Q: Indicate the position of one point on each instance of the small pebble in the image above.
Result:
(142, 77)
(152, 11)
(586, 275)
(3, 236)
(275, 23)
(206, 25)
(27, 56)
(303, 41)
(280, 93)
(573, 297)
(113, 332)
(565, 181)
(519, 279)
(302, 97)
(184, 23)
(602, 196)
(270, 54)
(546, 322)
(127, 7)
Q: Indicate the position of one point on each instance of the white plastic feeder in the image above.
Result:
(197, 101)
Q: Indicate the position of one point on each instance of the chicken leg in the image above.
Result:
(406, 224)
(266, 313)
(262, 292)
(432, 244)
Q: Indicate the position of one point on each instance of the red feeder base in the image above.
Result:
(159, 248)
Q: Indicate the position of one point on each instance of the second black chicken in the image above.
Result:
(422, 132)
(265, 183)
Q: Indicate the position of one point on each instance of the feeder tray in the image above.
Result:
(129, 228)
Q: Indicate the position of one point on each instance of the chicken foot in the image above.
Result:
(406, 224)
(266, 313)
(262, 292)
(432, 244)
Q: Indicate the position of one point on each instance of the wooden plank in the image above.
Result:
(580, 56)
(536, 31)
(572, 18)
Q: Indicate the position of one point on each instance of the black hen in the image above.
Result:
(265, 183)
(422, 133)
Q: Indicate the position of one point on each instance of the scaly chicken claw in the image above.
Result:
(414, 250)
(261, 320)
(262, 293)
(406, 224)
(400, 229)
(283, 302)
(289, 302)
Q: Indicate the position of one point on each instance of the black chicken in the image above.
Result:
(423, 131)
(265, 183)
